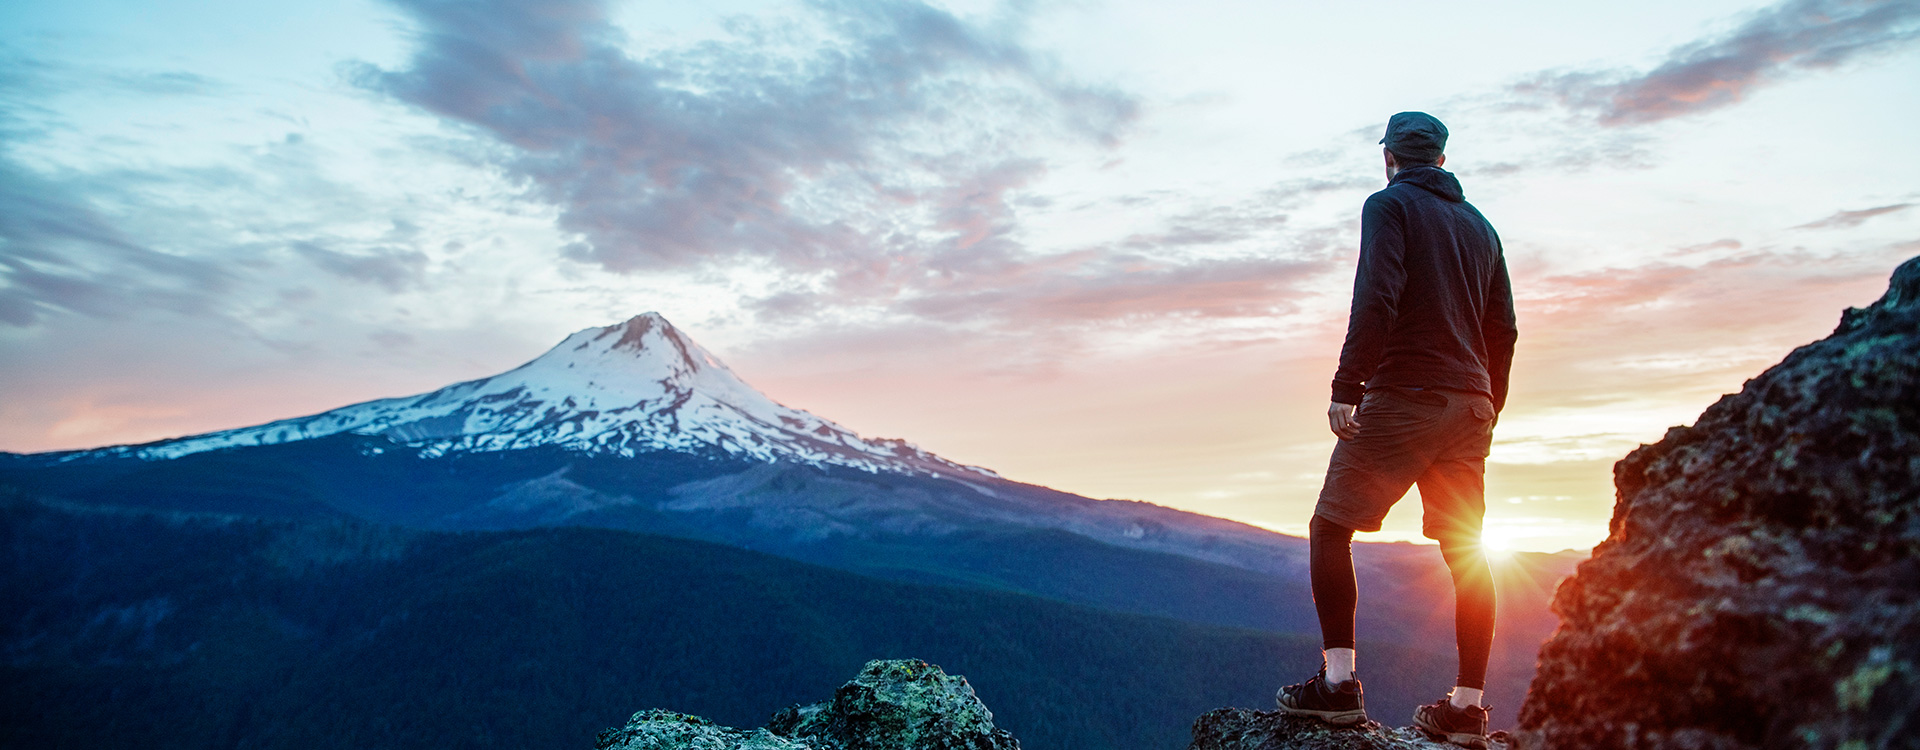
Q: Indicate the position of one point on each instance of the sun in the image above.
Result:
(1498, 544)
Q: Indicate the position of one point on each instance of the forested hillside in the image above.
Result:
(156, 630)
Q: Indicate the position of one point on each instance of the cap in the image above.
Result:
(1417, 136)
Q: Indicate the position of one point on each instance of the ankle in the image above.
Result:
(1465, 697)
(1339, 664)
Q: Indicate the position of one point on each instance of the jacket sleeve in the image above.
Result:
(1498, 328)
(1376, 296)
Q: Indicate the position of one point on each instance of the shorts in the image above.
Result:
(1436, 438)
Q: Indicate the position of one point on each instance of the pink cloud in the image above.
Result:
(1851, 219)
(1673, 328)
(1768, 46)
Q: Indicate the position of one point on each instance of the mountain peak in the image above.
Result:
(637, 386)
(633, 332)
(647, 335)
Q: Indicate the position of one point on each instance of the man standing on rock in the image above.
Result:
(1422, 376)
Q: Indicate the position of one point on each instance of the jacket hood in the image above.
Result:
(1433, 179)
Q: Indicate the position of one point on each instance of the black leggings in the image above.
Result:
(1336, 596)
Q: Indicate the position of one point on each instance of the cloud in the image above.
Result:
(883, 128)
(1851, 219)
(873, 159)
(396, 269)
(224, 238)
(1209, 263)
(25, 77)
(1769, 46)
(164, 82)
(59, 253)
(1213, 225)
(1695, 319)
(1110, 287)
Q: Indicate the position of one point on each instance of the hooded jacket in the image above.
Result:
(1432, 304)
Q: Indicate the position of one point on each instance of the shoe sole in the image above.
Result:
(1463, 739)
(1337, 718)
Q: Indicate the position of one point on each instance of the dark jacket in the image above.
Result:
(1432, 306)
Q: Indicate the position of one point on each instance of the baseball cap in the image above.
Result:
(1416, 136)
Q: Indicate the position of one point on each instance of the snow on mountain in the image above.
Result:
(624, 389)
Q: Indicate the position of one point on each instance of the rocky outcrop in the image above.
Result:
(1760, 586)
(1246, 729)
(895, 705)
(658, 729)
(891, 705)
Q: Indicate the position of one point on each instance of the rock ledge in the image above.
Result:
(1247, 729)
(904, 704)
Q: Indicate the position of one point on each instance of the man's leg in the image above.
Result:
(1472, 614)
(1365, 477)
(1453, 491)
(1461, 717)
(1334, 695)
(1336, 596)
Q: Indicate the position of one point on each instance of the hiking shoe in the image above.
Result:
(1342, 705)
(1466, 727)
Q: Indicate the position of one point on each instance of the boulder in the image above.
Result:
(904, 704)
(895, 705)
(1760, 584)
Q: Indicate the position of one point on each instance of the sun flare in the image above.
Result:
(1498, 544)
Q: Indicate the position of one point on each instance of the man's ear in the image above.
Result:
(1441, 162)
(1391, 164)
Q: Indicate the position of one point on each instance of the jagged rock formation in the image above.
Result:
(1760, 586)
(891, 705)
(1246, 729)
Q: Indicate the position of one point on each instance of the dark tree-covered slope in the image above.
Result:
(132, 628)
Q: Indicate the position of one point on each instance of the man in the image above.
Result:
(1422, 377)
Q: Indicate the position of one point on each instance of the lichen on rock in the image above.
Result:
(1760, 585)
(904, 704)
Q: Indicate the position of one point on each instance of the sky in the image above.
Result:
(1101, 246)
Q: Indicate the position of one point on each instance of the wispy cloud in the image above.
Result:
(1851, 219)
(1212, 262)
(394, 268)
(1769, 46)
(164, 82)
(1107, 287)
(1688, 321)
(220, 238)
(59, 253)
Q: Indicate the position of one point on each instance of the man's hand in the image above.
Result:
(1340, 418)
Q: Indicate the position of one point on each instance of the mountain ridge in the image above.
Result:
(641, 390)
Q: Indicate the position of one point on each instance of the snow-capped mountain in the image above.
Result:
(630, 388)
